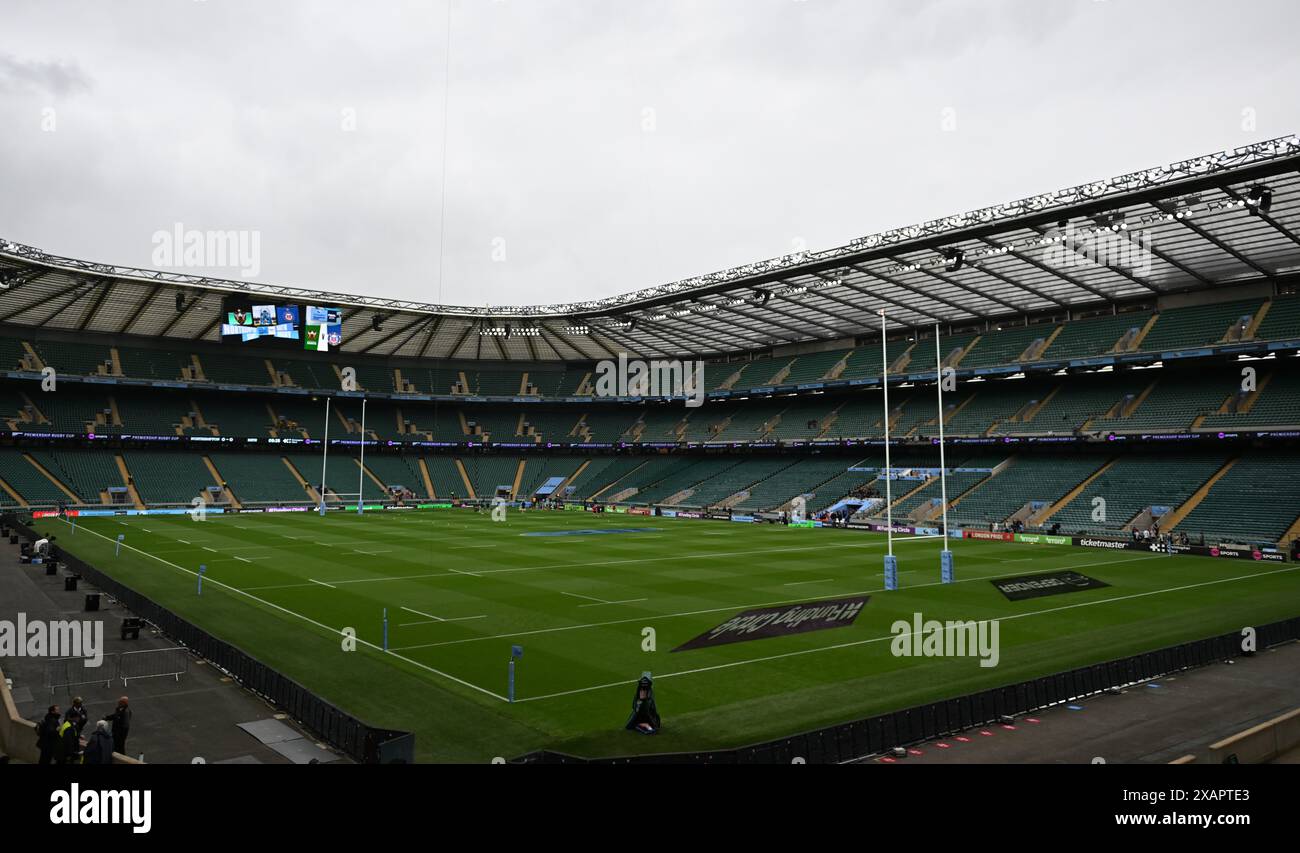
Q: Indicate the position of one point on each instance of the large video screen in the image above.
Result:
(285, 326)
(322, 328)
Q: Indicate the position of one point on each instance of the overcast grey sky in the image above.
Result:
(595, 147)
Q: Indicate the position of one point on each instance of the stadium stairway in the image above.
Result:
(1047, 512)
(217, 478)
(307, 487)
(900, 499)
(383, 489)
(1171, 521)
(428, 481)
(59, 484)
(464, 475)
(1292, 532)
(928, 512)
(13, 493)
(519, 478)
(1136, 343)
(128, 481)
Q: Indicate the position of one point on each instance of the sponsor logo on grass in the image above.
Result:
(922, 638)
(781, 621)
(1050, 583)
(40, 638)
(76, 806)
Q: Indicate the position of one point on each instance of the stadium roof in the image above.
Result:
(1221, 219)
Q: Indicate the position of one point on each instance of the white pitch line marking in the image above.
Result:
(370, 553)
(245, 559)
(322, 583)
(971, 579)
(891, 636)
(436, 621)
(588, 597)
(603, 603)
(801, 583)
(185, 541)
(333, 631)
(213, 550)
(630, 561)
(422, 613)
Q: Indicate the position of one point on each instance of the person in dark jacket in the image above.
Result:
(47, 735)
(121, 722)
(645, 715)
(77, 714)
(99, 749)
(69, 748)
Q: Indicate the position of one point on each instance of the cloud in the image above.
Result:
(34, 76)
(594, 148)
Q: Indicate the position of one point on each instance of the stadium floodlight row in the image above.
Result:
(1208, 222)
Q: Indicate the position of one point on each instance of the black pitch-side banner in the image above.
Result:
(1050, 583)
(781, 621)
(1229, 552)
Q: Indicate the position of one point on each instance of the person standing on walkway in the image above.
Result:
(120, 720)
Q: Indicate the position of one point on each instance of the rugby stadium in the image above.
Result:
(440, 533)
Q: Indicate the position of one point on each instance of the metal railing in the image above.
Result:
(153, 663)
(72, 672)
(123, 666)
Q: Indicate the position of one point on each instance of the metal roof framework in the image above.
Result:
(1209, 222)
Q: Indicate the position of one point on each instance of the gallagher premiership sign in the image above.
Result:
(781, 621)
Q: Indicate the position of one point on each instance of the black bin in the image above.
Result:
(51, 569)
(70, 583)
(92, 602)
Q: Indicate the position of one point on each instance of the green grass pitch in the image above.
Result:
(460, 589)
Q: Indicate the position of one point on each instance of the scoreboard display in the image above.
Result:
(285, 326)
